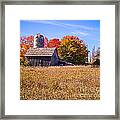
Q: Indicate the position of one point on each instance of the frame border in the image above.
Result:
(55, 2)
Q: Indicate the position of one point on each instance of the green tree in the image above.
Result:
(72, 50)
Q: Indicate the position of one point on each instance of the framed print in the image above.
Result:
(60, 59)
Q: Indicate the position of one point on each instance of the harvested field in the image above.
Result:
(59, 83)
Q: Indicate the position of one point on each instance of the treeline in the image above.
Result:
(70, 49)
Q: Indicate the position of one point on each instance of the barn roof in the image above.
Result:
(40, 52)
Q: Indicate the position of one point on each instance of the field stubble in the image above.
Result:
(59, 83)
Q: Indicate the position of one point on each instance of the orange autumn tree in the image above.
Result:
(25, 44)
(54, 43)
(73, 50)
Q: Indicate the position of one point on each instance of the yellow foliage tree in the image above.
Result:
(73, 50)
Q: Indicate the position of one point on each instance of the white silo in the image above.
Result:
(35, 41)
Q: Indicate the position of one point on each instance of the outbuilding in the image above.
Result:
(42, 56)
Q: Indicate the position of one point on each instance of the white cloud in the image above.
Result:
(81, 33)
(56, 23)
(81, 27)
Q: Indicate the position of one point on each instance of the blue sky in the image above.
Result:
(87, 30)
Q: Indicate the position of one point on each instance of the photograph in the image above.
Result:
(59, 59)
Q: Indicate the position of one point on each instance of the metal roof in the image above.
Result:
(40, 52)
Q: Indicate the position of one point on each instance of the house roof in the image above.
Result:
(40, 52)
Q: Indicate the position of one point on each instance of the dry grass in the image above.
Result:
(59, 83)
